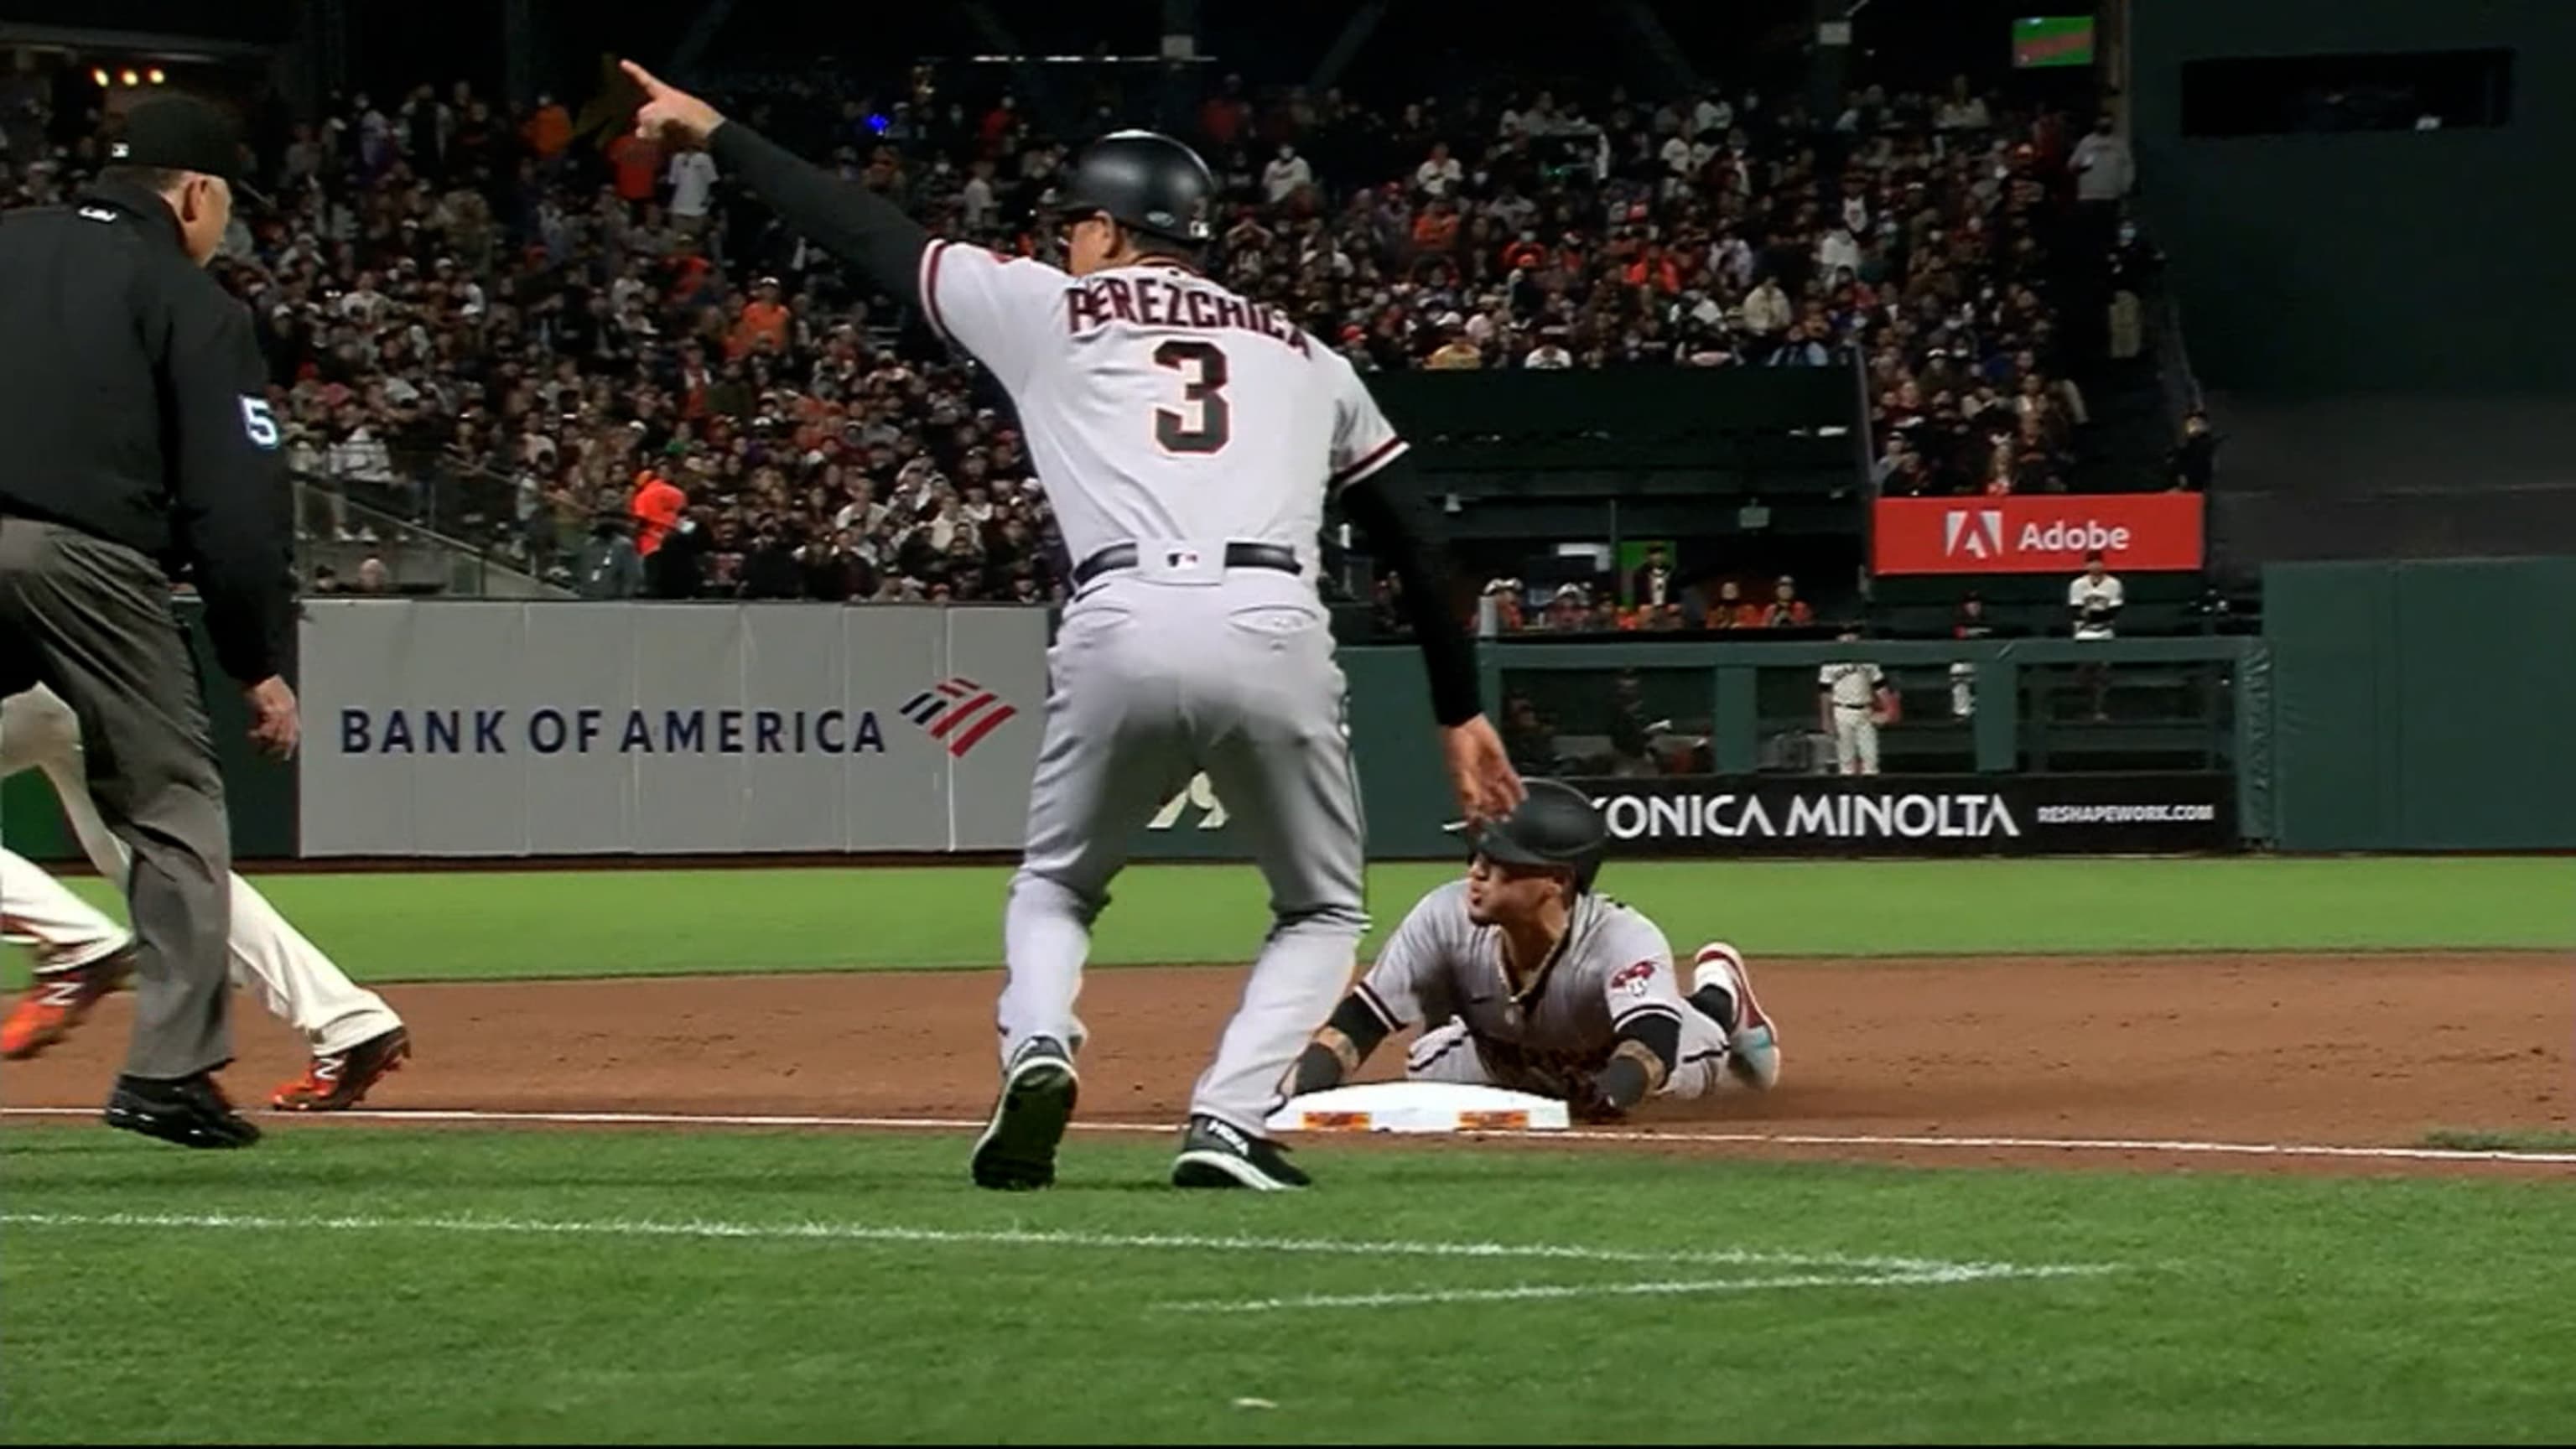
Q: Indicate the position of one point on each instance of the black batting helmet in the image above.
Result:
(1554, 825)
(1147, 181)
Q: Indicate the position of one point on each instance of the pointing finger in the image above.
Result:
(652, 85)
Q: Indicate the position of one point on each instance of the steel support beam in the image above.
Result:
(1346, 47)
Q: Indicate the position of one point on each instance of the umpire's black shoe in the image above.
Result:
(1017, 1151)
(1219, 1154)
(190, 1111)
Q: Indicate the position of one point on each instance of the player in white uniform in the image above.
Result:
(82, 956)
(1523, 978)
(2094, 598)
(1851, 695)
(1187, 439)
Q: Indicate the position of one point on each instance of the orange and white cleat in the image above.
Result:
(1753, 1048)
(337, 1081)
(58, 1002)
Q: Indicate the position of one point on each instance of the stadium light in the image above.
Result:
(130, 78)
(99, 76)
(158, 76)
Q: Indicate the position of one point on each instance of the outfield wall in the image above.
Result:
(2388, 707)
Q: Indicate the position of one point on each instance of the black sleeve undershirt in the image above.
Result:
(848, 220)
(1624, 1083)
(1389, 507)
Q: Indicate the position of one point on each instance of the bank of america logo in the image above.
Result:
(958, 713)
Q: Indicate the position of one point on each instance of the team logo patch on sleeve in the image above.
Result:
(1633, 979)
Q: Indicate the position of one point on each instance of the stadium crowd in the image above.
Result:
(532, 328)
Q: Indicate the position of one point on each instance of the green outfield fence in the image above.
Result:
(2386, 707)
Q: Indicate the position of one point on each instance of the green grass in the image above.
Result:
(2534, 1139)
(439, 926)
(2281, 1309)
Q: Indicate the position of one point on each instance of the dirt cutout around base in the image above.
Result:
(2366, 1050)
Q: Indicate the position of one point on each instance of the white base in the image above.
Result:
(1420, 1107)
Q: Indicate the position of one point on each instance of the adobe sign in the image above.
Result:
(2036, 534)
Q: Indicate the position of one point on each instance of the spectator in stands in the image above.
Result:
(2194, 460)
(693, 185)
(2104, 170)
(1287, 174)
(1786, 609)
(608, 566)
(1961, 109)
(373, 577)
(1455, 351)
(658, 507)
(1767, 313)
(1440, 175)
(454, 268)
(1652, 585)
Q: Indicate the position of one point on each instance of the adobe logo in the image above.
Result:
(1972, 533)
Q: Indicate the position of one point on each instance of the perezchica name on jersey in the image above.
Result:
(1099, 301)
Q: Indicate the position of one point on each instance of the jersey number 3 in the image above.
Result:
(1203, 424)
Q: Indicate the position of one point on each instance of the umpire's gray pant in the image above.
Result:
(93, 620)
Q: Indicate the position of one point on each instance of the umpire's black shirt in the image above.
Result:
(133, 406)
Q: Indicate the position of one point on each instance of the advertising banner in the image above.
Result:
(2037, 533)
(454, 727)
(2083, 814)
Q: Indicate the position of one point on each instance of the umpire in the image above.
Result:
(139, 447)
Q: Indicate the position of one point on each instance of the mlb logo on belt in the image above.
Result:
(959, 713)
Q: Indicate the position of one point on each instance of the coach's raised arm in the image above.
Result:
(851, 222)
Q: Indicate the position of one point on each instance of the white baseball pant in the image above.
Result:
(1158, 673)
(1855, 740)
(299, 984)
(64, 931)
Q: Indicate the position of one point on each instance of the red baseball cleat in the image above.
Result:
(57, 1002)
(340, 1080)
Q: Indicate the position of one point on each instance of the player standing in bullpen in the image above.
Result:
(1523, 978)
(1188, 439)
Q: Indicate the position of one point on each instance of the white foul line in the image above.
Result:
(1582, 1137)
(1858, 1271)
(1018, 1237)
(1544, 1292)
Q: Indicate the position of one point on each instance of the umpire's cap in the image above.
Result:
(1144, 180)
(182, 133)
(1554, 825)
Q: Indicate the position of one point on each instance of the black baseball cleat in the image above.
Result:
(1017, 1151)
(190, 1111)
(1219, 1154)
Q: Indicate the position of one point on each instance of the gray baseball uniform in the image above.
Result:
(1169, 416)
(1442, 970)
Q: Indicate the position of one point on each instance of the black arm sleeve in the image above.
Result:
(1389, 507)
(1357, 1022)
(1627, 1080)
(230, 514)
(842, 217)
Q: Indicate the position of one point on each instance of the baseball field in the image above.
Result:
(2255, 1149)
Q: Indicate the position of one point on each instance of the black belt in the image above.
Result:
(1237, 556)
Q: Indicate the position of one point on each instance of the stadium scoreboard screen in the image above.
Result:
(2052, 40)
